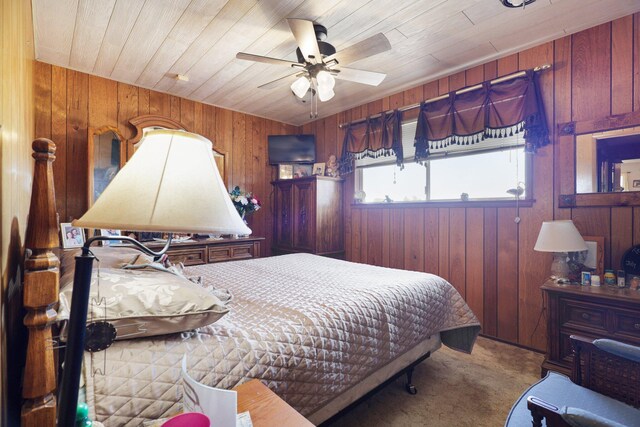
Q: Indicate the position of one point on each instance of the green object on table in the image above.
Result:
(82, 416)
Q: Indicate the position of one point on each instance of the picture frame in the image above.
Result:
(71, 236)
(595, 253)
(107, 232)
(636, 183)
(318, 169)
(285, 171)
(301, 171)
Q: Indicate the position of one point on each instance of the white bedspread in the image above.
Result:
(309, 327)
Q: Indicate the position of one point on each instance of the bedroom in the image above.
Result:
(594, 75)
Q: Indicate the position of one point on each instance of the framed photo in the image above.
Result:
(595, 253)
(636, 183)
(285, 171)
(72, 237)
(106, 232)
(300, 171)
(318, 169)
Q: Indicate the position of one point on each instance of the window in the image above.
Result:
(482, 171)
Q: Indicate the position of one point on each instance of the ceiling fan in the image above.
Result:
(318, 62)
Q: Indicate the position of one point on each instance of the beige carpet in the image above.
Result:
(454, 390)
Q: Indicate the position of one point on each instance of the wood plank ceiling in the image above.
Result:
(149, 42)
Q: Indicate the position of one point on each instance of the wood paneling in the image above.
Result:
(69, 101)
(18, 91)
(482, 251)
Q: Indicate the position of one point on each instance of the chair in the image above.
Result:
(604, 390)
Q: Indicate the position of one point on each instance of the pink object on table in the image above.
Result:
(188, 419)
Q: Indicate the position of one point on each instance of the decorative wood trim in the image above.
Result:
(41, 282)
(631, 198)
(616, 121)
(148, 120)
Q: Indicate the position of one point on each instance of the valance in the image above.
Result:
(375, 137)
(493, 111)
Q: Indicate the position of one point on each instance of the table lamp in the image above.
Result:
(170, 184)
(559, 237)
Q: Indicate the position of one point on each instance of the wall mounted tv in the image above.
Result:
(292, 149)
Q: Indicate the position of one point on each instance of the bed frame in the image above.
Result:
(40, 297)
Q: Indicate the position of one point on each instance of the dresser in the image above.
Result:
(593, 312)
(308, 216)
(204, 251)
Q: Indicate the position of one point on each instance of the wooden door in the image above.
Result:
(304, 215)
(283, 215)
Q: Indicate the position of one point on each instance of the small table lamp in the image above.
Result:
(559, 237)
(170, 184)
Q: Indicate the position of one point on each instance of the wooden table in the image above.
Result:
(266, 408)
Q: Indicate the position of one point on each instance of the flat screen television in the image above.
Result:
(292, 149)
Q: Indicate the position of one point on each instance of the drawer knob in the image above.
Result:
(636, 325)
(585, 316)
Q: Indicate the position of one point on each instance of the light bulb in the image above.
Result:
(324, 78)
(325, 93)
(301, 86)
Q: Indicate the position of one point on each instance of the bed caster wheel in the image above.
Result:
(411, 389)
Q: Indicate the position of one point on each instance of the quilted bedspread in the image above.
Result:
(309, 327)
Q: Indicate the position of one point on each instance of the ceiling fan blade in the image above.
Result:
(265, 59)
(367, 47)
(305, 36)
(277, 82)
(360, 76)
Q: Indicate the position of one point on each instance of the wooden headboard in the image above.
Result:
(41, 282)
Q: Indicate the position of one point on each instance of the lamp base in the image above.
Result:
(559, 266)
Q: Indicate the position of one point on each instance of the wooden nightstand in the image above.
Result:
(590, 311)
(266, 408)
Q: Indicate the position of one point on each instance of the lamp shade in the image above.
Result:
(301, 86)
(170, 184)
(559, 236)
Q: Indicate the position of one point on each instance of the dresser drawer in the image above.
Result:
(627, 325)
(231, 252)
(191, 256)
(578, 314)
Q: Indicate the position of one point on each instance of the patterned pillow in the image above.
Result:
(146, 302)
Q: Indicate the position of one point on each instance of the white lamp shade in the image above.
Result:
(301, 86)
(170, 184)
(559, 236)
(325, 93)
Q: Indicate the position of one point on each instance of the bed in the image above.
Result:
(319, 332)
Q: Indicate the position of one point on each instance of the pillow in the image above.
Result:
(626, 351)
(577, 417)
(146, 302)
(106, 257)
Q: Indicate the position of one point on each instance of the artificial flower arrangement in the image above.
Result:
(245, 203)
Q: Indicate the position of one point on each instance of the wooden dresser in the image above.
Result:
(208, 250)
(308, 216)
(593, 312)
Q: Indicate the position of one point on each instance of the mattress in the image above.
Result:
(308, 327)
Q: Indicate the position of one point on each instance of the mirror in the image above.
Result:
(106, 155)
(608, 162)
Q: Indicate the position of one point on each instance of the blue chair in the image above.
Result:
(604, 390)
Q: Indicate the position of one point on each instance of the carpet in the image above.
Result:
(454, 390)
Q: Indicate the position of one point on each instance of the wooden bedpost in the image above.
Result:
(41, 281)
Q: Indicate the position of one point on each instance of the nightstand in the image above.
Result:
(266, 408)
(590, 311)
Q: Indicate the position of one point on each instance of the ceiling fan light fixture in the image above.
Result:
(325, 79)
(325, 93)
(300, 86)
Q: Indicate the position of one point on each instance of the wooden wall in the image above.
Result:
(16, 134)
(69, 102)
(480, 249)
